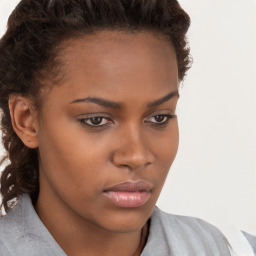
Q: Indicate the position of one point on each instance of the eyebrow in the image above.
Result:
(163, 99)
(118, 105)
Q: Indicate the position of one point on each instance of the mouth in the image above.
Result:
(129, 194)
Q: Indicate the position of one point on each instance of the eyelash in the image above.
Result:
(162, 124)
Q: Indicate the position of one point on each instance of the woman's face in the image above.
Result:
(112, 120)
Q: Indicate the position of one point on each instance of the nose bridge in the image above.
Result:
(133, 150)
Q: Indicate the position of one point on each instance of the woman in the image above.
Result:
(88, 93)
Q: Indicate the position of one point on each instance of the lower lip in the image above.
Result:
(127, 199)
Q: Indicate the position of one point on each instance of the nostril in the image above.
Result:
(133, 160)
(148, 164)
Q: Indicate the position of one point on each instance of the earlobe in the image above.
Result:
(24, 123)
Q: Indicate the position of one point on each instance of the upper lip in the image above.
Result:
(131, 186)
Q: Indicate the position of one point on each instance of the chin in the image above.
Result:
(126, 220)
(121, 227)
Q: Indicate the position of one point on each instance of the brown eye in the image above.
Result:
(159, 118)
(96, 121)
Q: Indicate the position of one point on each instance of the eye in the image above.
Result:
(160, 119)
(96, 121)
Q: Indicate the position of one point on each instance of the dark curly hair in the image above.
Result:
(29, 53)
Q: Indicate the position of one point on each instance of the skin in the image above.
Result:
(77, 162)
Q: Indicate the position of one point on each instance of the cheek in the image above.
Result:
(166, 151)
(70, 160)
(166, 144)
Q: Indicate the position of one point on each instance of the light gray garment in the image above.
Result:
(23, 234)
(252, 241)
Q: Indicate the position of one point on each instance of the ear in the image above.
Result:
(24, 120)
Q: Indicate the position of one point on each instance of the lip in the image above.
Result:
(129, 194)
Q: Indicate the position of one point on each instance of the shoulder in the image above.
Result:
(208, 233)
(3, 250)
(23, 233)
(13, 231)
(10, 223)
(188, 225)
(183, 235)
(252, 240)
(4, 235)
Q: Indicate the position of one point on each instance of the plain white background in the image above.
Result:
(214, 174)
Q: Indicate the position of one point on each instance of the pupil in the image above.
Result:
(159, 118)
(96, 120)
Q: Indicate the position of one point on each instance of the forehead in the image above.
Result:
(114, 63)
(103, 41)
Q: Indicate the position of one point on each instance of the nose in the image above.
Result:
(133, 152)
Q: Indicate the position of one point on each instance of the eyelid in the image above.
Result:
(161, 112)
(90, 115)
